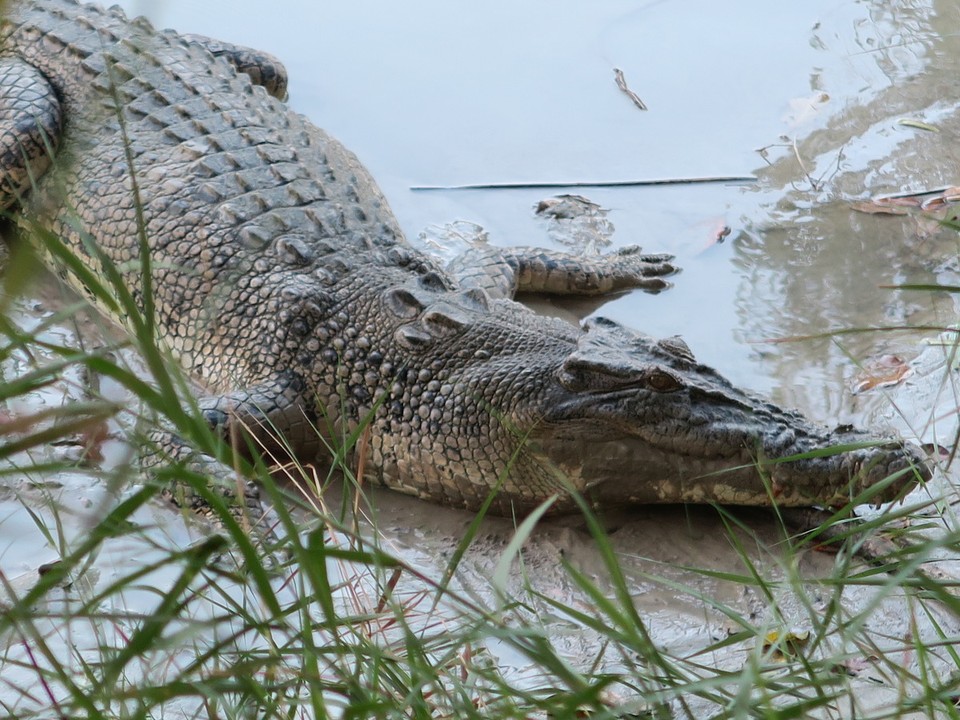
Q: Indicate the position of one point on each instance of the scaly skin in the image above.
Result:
(283, 283)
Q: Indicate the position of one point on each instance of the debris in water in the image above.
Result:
(884, 371)
(622, 84)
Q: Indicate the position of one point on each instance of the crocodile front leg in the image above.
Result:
(271, 415)
(503, 272)
(30, 127)
(267, 420)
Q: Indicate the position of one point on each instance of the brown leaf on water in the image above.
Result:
(886, 206)
(883, 371)
(926, 200)
(947, 196)
(92, 438)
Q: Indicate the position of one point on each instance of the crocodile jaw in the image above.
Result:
(627, 470)
(632, 420)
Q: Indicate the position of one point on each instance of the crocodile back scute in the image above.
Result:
(245, 203)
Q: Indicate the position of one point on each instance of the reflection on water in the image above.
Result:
(812, 264)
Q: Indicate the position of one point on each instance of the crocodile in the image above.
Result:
(281, 281)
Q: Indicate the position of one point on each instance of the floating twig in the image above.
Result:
(730, 179)
(622, 84)
(918, 124)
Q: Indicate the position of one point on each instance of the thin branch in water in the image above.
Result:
(622, 84)
(816, 184)
(852, 331)
(729, 179)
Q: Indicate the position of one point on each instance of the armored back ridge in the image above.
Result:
(281, 280)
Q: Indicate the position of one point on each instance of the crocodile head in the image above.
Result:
(630, 419)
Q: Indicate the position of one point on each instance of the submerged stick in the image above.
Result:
(595, 184)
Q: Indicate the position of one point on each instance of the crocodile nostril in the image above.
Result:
(432, 280)
(403, 303)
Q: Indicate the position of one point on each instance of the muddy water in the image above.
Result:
(433, 93)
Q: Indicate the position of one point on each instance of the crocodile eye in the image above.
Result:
(662, 382)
